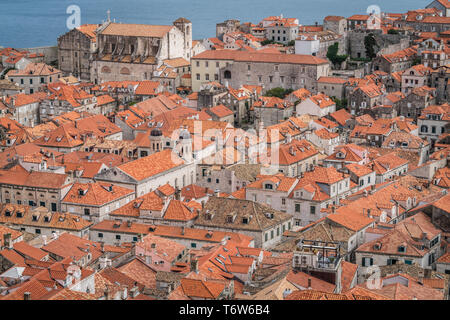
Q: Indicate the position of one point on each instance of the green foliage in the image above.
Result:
(370, 43)
(393, 31)
(291, 43)
(340, 104)
(417, 61)
(333, 55)
(266, 42)
(278, 92)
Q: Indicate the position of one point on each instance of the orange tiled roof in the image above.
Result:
(151, 165)
(95, 194)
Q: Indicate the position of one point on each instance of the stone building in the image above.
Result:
(238, 68)
(433, 121)
(210, 94)
(271, 110)
(385, 43)
(415, 77)
(34, 76)
(133, 52)
(417, 100)
(439, 80)
(365, 97)
(75, 49)
(94, 201)
(227, 26)
(336, 24)
(317, 43)
(262, 223)
(43, 189)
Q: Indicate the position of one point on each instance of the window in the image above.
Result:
(198, 76)
(53, 206)
(408, 262)
(271, 234)
(118, 237)
(42, 204)
(423, 129)
(197, 63)
(268, 186)
(266, 237)
(401, 249)
(135, 239)
(366, 262)
(216, 77)
(248, 67)
(206, 64)
(100, 235)
(207, 77)
(297, 207)
(217, 180)
(87, 212)
(193, 245)
(217, 64)
(313, 210)
(38, 231)
(283, 201)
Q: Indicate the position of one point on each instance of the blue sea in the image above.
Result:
(33, 23)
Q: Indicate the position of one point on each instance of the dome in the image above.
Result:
(156, 132)
(184, 134)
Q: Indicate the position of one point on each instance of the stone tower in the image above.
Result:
(185, 26)
(184, 146)
(156, 140)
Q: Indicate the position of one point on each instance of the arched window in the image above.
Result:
(423, 129)
(227, 74)
(124, 71)
(105, 69)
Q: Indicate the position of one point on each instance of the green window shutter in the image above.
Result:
(363, 262)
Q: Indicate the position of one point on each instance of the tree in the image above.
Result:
(393, 31)
(278, 92)
(291, 43)
(370, 43)
(340, 104)
(333, 55)
(266, 42)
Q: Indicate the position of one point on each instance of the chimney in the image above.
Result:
(216, 193)
(7, 242)
(107, 293)
(134, 292)
(27, 296)
(124, 292)
(177, 193)
(309, 283)
(194, 265)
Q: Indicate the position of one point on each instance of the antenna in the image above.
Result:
(109, 15)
